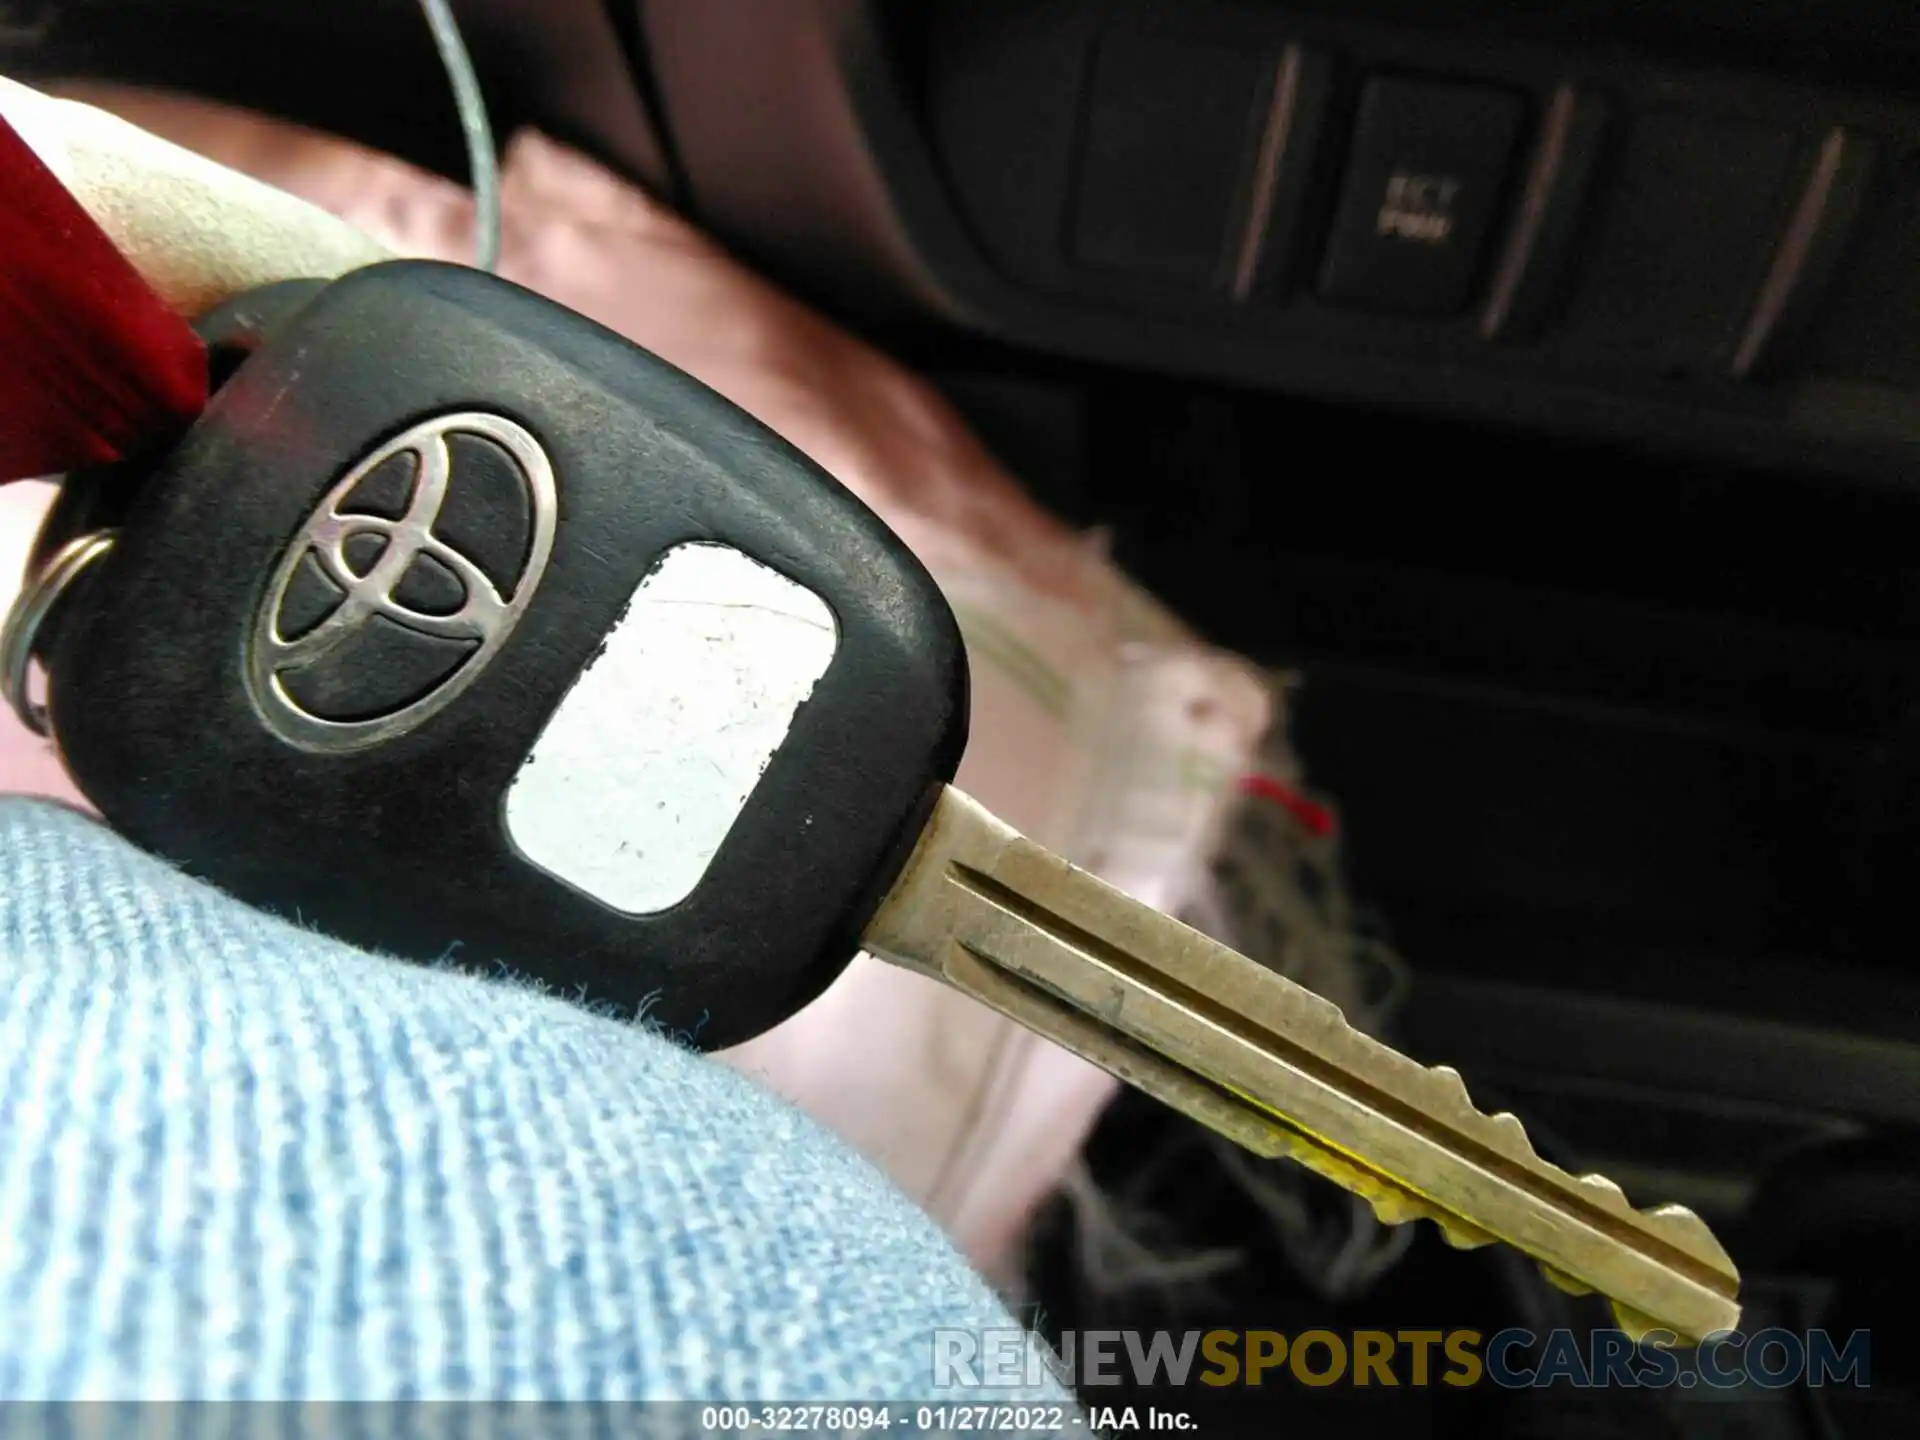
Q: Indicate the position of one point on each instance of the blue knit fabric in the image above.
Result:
(239, 1161)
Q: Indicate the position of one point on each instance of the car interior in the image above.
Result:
(1585, 525)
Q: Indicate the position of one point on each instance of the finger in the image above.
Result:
(196, 231)
(28, 764)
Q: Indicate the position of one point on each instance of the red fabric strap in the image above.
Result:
(93, 365)
(1313, 817)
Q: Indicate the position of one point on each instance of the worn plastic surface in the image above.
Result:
(400, 845)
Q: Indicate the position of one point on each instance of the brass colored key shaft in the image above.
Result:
(1277, 1068)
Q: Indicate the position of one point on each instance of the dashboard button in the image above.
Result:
(1674, 259)
(1170, 136)
(1423, 183)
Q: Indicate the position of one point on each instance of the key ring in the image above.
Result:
(36, 601)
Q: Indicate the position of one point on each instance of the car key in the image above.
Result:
(1277, 1068)
(460, 627)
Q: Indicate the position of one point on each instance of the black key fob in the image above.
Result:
(459, 626)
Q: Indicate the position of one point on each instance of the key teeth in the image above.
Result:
(1563, 1282)
(1636, 1325)
(1398, 1207)
(1393, 1207)
(1600, 1188)
(1319, 1026)
(1459, 1235)
(1510, 1133)
(1503, 1132)
(1506, 1134)
(1675, 1224)
(1685, 1230)
(1449, 1086)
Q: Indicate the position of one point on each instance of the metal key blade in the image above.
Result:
(1276, 1068)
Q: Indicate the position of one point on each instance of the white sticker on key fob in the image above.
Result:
(650, 757)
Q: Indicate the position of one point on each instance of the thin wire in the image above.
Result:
(483, 163)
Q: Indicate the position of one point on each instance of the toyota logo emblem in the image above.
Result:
(403, 583)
